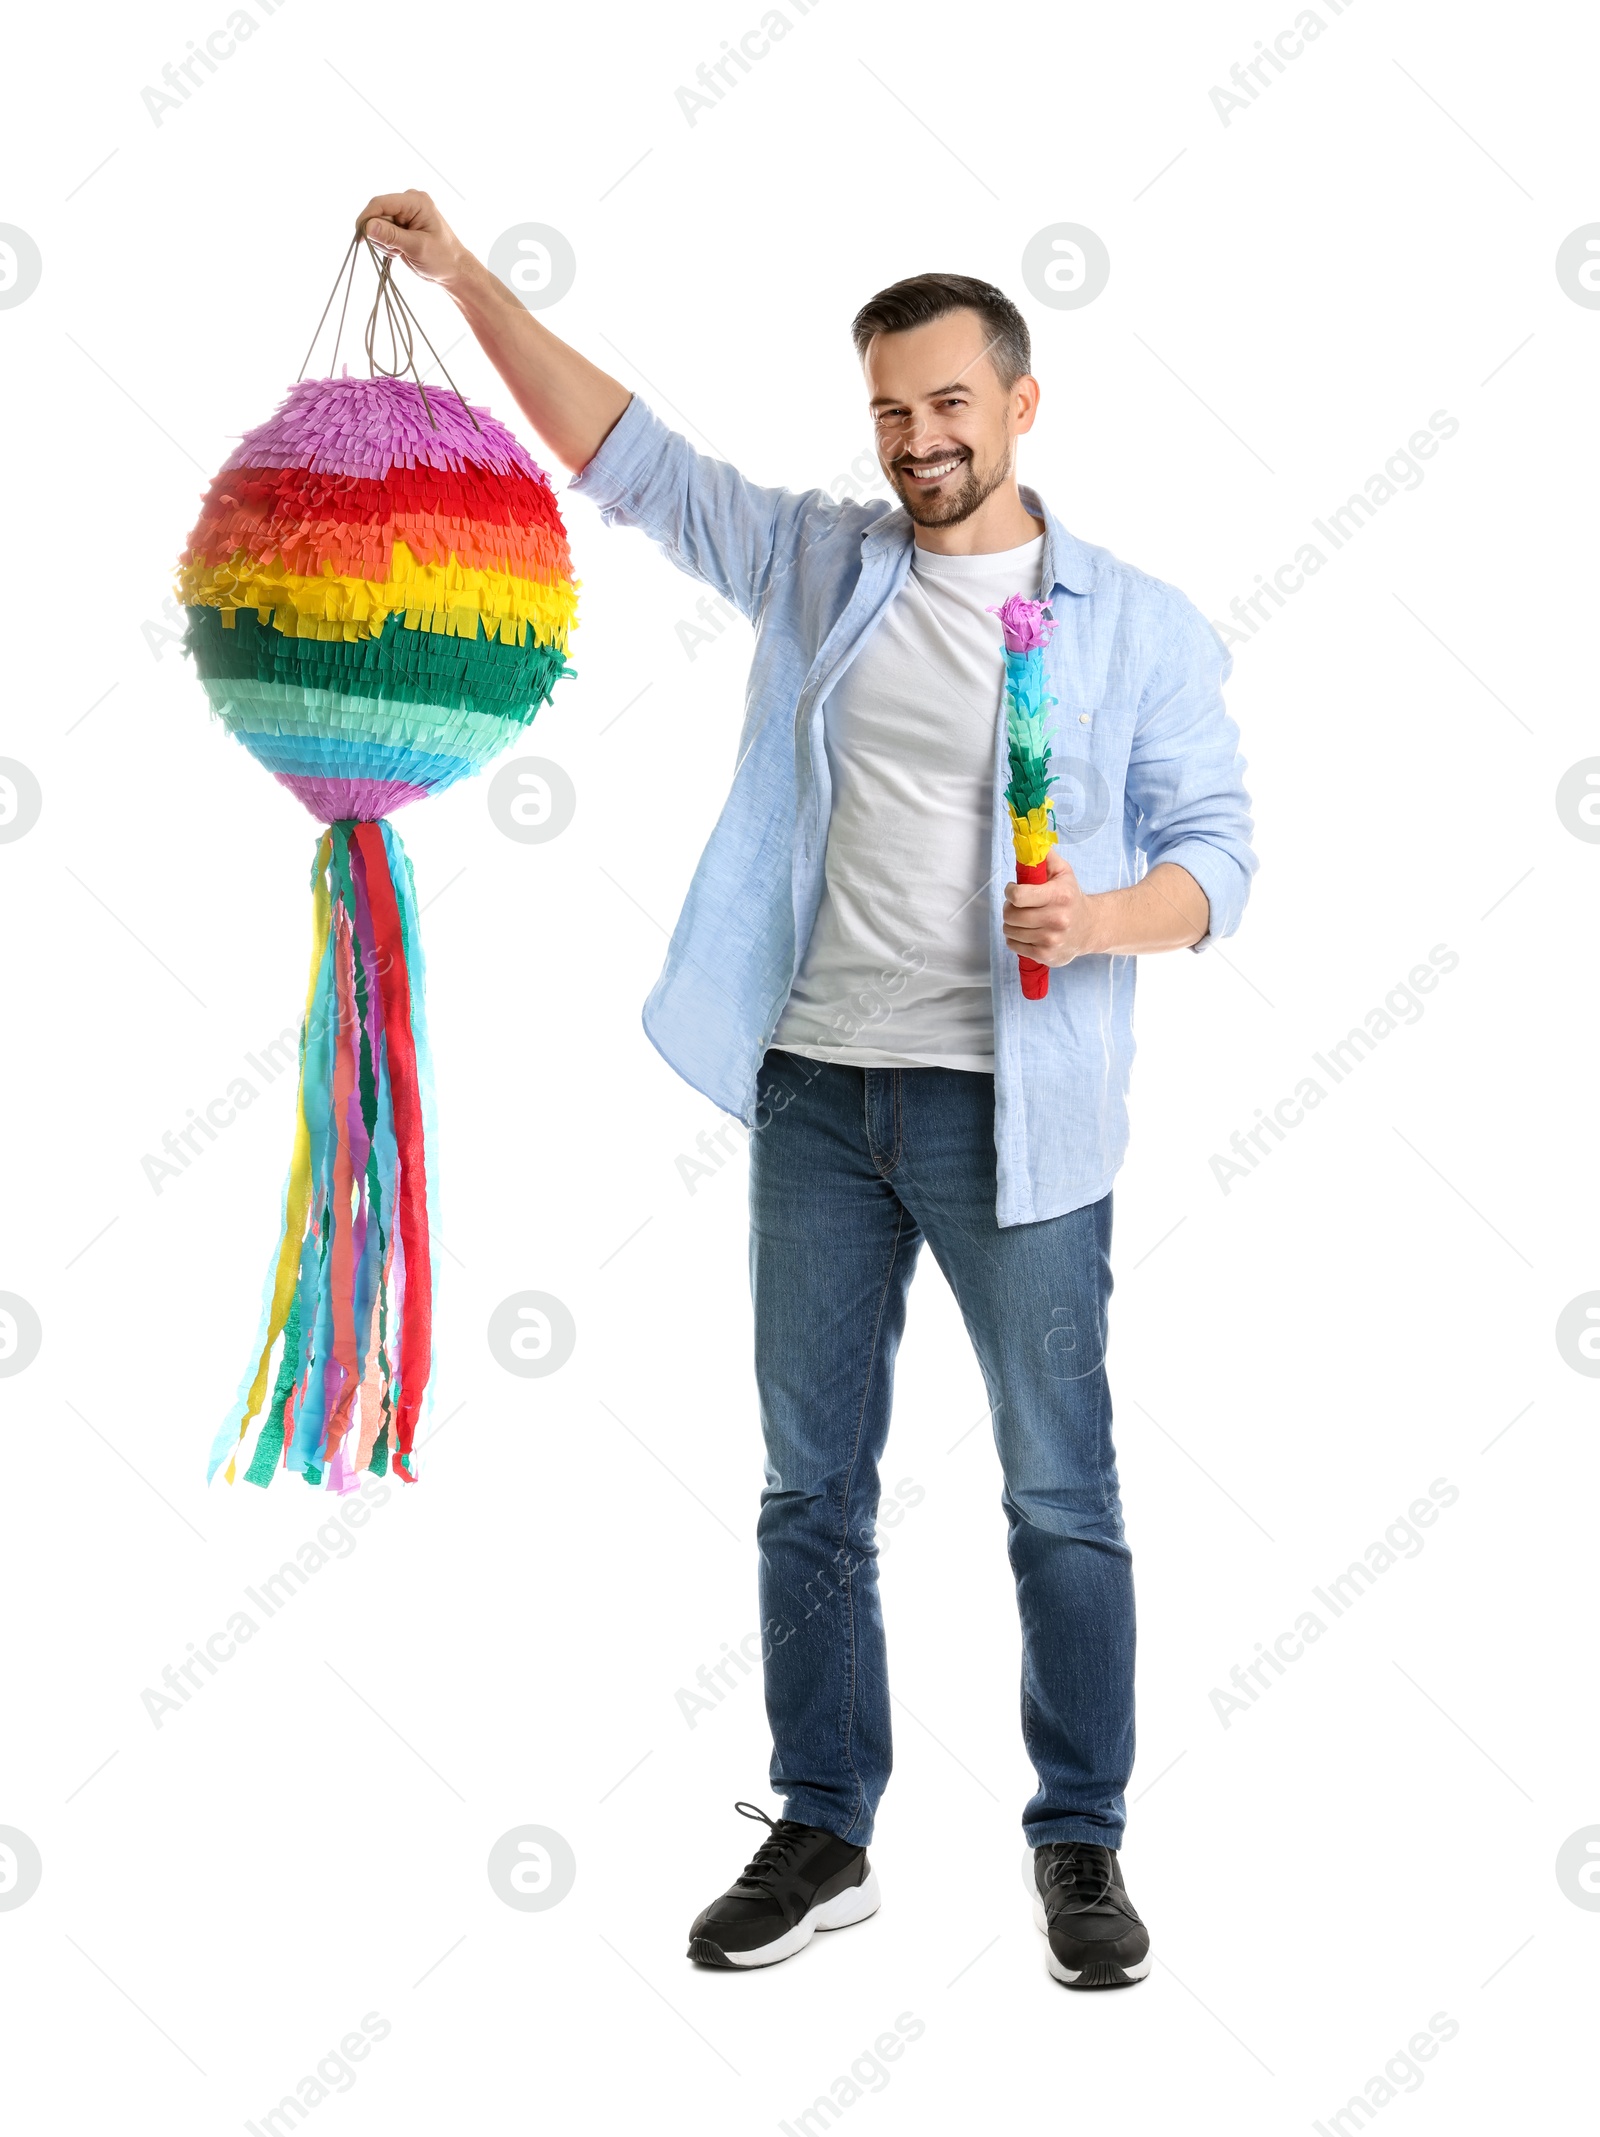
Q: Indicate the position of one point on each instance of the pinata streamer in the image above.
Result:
(1026, 627)
(379, 594)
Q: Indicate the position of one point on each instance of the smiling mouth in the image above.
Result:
(928, 474)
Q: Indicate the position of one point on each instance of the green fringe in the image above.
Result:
(414, 667)
(1030, 780)
(269, 1442)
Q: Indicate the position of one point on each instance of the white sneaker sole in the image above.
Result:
(852, 1905)
(1136, 1972)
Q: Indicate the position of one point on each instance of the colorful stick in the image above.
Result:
(1026, 626)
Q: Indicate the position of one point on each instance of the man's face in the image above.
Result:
(944, 423)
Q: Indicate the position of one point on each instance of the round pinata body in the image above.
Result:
(378, 602)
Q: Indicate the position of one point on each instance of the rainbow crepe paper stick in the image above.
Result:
(1026, 626)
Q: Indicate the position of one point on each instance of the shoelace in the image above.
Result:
(1085, 1866)
(769, 1859)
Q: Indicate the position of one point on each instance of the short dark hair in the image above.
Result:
(921, 298)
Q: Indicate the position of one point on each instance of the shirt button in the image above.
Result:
(1083, 719)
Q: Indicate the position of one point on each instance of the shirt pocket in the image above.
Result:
(1089, 749)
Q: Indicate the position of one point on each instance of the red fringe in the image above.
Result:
(394, 982)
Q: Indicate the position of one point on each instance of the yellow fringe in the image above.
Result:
(1033, 834)
(452, 599)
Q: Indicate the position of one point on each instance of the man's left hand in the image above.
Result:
(1050, 921)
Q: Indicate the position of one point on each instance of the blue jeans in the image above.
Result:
(850, 1170)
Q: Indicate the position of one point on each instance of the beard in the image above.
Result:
(959, 496)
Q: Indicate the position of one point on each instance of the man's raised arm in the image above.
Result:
(711, 521)
(570, 402)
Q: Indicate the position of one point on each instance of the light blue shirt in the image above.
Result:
(1148, 770)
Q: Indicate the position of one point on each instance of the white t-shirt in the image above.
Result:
(896, 974)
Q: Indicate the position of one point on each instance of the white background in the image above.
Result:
(1374, 1841)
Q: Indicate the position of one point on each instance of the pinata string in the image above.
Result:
(346, 274)
(399, 319)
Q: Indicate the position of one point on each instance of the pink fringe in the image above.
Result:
(365, 426)
(333, 801)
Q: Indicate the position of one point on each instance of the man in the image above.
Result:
(855, 1000)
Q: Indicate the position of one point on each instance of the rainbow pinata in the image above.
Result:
(377, 604)
(379, 595)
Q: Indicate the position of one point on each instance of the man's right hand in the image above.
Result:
(409, 225)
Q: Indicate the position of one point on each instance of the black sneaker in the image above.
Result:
(801, 1879)
(1097, 1940)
